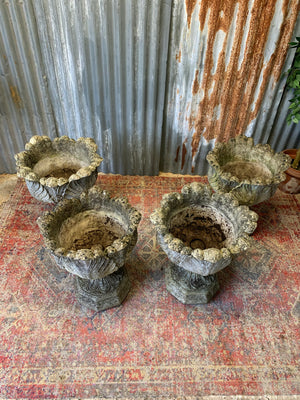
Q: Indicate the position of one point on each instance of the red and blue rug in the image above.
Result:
(244, 342)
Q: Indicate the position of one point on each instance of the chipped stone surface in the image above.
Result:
(190, 288)
(102, 294)
(58, 169)
(200, 231)
(91, 237)
(73, 221)
(204, 211)
(251, 173)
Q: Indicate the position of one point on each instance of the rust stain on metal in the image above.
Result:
(178, 56)
(196, 83)
(184, 151)
(235, 82)
(177, 154)
(189, 6)
(15, 96)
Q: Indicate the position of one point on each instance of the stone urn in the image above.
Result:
(90, 237)
(58, 169)
(200, 231)
(252, 173)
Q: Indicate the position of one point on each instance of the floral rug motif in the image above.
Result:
(244, 342)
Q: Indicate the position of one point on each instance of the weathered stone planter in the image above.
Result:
(58, 169)
(251, 173)
(90, 237)
(200, 231)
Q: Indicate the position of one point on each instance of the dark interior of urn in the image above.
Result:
(61, 173)
(90, 229)
(102, 235)
(200, 228)
(243, 169)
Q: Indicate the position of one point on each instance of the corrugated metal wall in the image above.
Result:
(99, 68)
(25, 105)
(86, 68)
(224, 69)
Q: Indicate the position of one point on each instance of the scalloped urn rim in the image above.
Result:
(58, 169)
(42, 146)
(110, 258)
(210, 260)
(245, 145)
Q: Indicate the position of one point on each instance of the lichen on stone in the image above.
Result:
(92, 235)
(57, 169)
(251, 172)
(210, 215)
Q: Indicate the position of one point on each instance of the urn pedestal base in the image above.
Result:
(91, 237)
(188, 287)
(101, 294)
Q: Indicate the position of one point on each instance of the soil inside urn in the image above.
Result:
(90, 229)
(58, 166)
(61, 173)
(247, 170)
(201, 228)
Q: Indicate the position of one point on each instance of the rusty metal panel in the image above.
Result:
(97, 68)
(91, 68)
(224, 75)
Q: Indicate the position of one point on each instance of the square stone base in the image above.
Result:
(101, 294)
(190, 288)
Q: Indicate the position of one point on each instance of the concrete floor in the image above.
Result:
(7, 185)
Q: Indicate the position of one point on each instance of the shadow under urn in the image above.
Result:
(91, 237)
(252, 173)
(200, 231)
(58, 169)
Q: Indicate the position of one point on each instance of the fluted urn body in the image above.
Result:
(91, 237)
(252, 173)
(200, 231)
(58, 169)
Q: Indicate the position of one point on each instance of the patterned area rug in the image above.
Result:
(244, 342)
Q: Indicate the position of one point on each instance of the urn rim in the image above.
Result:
(39, 144)
(246, 218)
(48, 219)
(245, 145)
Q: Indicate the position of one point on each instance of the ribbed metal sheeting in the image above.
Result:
(25, 105)
(98, 68)
(225, 66)
(85, 68)
(282, 136)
